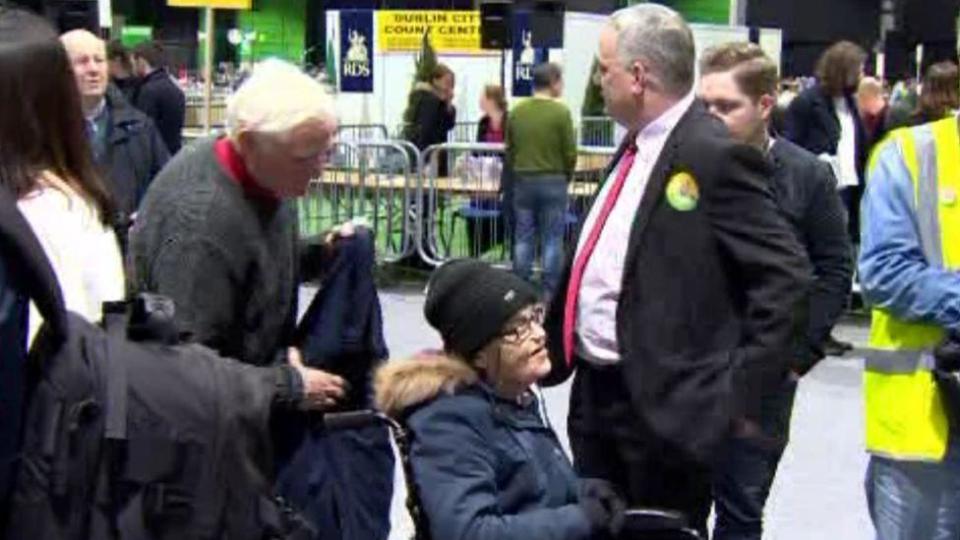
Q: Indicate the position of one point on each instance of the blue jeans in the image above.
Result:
(746, 468)
(539, 206)
(910, 500)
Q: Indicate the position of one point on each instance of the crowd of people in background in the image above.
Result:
(703, 283)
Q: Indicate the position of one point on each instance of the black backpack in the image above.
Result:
(130, 435)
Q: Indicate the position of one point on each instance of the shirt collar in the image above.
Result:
(98, 111)
(664, 124)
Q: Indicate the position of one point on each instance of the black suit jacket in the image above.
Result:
(705, 317)
(159, 97)
(811, 122)
(806, 192)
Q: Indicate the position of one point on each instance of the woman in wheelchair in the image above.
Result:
(485, 464)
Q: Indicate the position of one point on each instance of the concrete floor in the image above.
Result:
(818, 493)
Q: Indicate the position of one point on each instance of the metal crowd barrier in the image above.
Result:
(356, 133)
(463, 213)
(370, 182)
(193, 112)
(596, 131)
(592, 163)
(463, 132)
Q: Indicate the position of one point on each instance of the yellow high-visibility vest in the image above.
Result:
(904, 412)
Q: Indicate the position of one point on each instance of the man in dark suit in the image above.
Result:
(677, 310)
(739, 85)
(158, 95)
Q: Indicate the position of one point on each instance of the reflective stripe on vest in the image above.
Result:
(904, 412)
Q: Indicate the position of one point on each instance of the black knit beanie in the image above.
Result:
(469, 302)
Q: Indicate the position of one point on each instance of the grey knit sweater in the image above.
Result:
(228, 261)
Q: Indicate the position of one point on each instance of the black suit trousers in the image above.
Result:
(610, 441)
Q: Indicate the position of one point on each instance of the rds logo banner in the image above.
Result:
(356, 51)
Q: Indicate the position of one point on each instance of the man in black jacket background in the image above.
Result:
(739, 85)
(158, 95)
(677, 311)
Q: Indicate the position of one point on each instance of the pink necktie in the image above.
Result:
(580, 263)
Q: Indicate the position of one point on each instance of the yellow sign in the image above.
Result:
(450, 31)
(216, 4)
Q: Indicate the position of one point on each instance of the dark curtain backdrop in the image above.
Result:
(809, 26)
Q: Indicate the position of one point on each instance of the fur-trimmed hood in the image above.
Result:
(403, 384)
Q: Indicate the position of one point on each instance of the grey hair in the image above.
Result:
(545, 75)
(659, 37)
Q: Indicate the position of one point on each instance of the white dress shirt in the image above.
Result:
(846, 170)
(596, 326)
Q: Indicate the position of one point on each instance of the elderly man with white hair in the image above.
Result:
(217, 231)
(677, 308)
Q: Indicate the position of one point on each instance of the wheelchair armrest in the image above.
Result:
(651, 519)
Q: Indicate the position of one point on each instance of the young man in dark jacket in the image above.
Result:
(126, 146)
(158, 95)
(739, 84)
(825, 120)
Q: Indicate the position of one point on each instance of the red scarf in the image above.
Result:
(232, 162)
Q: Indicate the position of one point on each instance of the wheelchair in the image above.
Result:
(640, 523)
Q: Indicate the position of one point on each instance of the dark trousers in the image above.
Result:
(610, 441)
(850, 196)
(746, 468)
(13, 382)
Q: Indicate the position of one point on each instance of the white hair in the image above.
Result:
(276, 98)
(662, 39)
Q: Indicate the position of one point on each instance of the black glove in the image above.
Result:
(947, 354)
(604, 508)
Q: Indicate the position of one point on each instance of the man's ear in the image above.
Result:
(638, 73)
(767, 103)
(244, 141)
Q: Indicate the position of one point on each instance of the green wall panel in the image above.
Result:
(704, 11)
(280, 28)
(698, 11)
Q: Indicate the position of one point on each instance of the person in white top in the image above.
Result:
(47, 164)
(825, 120)
(82, 249)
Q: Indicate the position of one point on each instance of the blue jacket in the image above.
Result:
(342, 481)
(894, 273)
(486, 468)
(133, 156)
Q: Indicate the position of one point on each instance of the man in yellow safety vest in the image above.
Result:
(910, 275)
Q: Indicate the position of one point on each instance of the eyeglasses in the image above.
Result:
(524, 323)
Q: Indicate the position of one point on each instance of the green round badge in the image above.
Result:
(683, 192)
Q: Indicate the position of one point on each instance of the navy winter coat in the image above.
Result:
(134, 154)
(159, 97)
(486, 468)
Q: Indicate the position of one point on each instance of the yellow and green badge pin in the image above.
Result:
(683, 192)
